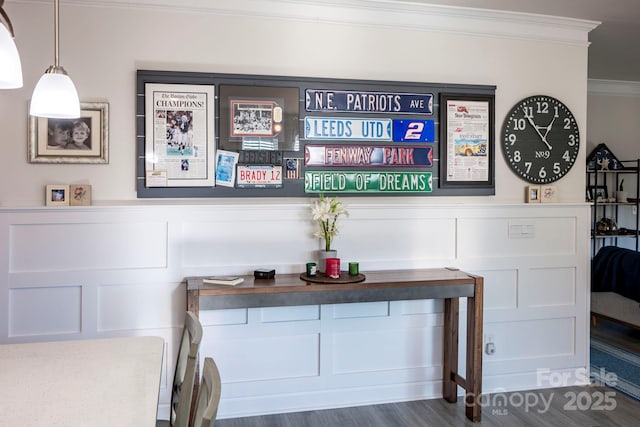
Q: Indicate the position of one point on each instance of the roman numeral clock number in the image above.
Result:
(540, 139)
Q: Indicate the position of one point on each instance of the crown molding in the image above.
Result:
(613, 88)
(407, 15)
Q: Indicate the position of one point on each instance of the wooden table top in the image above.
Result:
(290, 289)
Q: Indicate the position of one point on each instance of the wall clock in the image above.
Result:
(540, 139)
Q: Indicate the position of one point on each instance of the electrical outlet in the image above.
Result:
(490, 345)
(490, 349)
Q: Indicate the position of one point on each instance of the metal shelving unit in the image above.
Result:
(610, 208)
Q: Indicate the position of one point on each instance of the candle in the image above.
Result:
(354, 269)
(332, 267)
(312, 269)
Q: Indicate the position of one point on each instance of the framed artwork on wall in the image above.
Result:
(180, 134)
(81, 140)
(466, 140)
(280, 136)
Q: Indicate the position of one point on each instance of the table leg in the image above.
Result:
(193, 302)
(450, 350)
(473, 381)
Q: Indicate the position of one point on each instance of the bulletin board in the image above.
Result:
(228, 135)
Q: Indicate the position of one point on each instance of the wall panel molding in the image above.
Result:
(319, 351)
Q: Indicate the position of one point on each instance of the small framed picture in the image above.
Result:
(79, 195)
(57, 195)
(533, 194)
(548, 194)
(598, 192)
(81, 140)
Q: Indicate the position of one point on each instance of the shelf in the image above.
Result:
(611, 203)
(612, 180)
(625, 170)
(606, 236)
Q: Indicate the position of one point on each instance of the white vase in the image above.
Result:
(621, 196)
(322, 255)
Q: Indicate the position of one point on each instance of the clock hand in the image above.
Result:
(538, 130)
(548, 128)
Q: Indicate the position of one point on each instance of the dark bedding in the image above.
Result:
(616, 270)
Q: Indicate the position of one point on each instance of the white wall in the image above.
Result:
(116, 268)
(613, 117)
(102, 44)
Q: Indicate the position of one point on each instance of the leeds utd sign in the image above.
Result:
(355, 129)
(366, 129)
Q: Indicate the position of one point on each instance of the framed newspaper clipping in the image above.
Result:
(466, 140)
(179, 135)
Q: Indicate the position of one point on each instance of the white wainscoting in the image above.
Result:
(77, 273)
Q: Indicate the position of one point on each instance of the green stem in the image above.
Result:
(327, 236)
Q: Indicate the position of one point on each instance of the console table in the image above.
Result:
(391, 285)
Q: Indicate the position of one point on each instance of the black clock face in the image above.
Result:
(540, 139)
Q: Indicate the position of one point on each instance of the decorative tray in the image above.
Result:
(345, 277)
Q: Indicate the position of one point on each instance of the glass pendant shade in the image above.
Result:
(10, 67)
(55, 96)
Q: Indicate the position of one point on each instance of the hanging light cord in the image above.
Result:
(56, 31)
(6, 18)
(56, 68)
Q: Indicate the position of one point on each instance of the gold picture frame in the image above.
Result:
(82, 140)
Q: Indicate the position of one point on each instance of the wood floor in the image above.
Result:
(589, 406)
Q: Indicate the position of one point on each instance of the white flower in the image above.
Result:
(326, 213)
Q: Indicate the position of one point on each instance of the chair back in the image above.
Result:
(208, 395)
(184, 377)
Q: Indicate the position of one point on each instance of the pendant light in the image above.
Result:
(55, 95)
(10, 67)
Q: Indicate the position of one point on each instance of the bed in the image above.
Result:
(615, 286)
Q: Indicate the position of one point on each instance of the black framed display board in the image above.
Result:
(228, 135)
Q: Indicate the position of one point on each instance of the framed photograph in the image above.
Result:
(82, 140)
(57, 195)
(79, 195)
(598, 192)
(179, 135)
(259, 119)
(548, 194)
(466, 140)
(533, 194)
